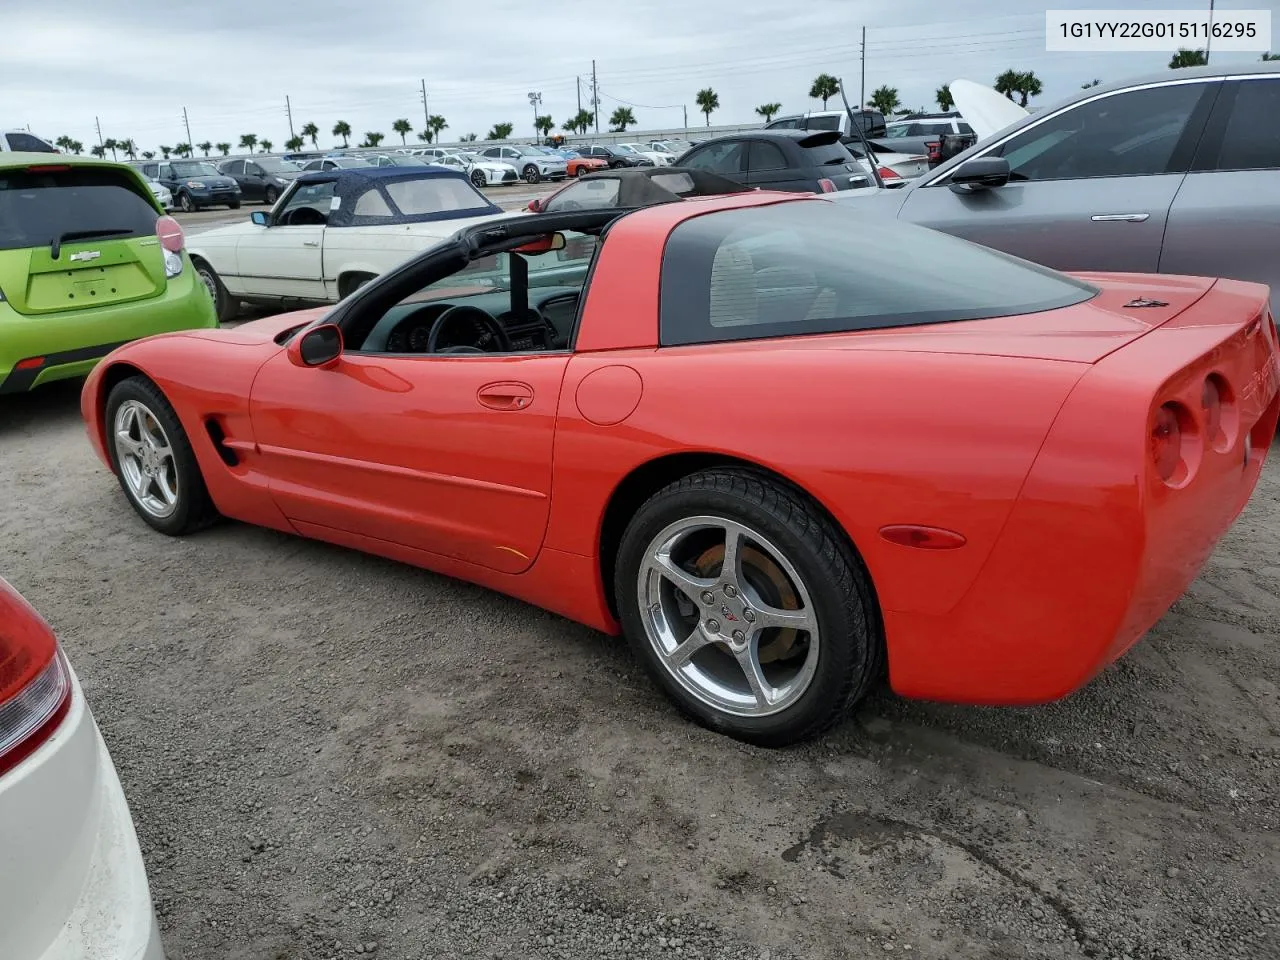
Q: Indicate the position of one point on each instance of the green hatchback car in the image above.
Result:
(88, 261)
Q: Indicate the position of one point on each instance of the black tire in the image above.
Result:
(531, 174)
(351, 282)
(582, 171)
(850, 654)
(478, 179)
(234, 205)
(224, 305)
(271, 196)
(185, 203)
(195, 509)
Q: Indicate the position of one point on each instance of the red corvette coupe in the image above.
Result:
(780, 452)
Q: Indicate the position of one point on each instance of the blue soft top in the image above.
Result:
(350, 184)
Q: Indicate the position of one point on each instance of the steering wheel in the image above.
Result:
(453, 314)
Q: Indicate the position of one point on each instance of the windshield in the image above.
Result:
(37, 208)
(897, 130)
(814, 267)
(829, 122)
(352, 162)
(417, 200)
(194, 168)
(623, 148)
(403, 160)
(273, 165)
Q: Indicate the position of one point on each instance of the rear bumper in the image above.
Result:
(70, 344)
(1095, 550)
(72, 881)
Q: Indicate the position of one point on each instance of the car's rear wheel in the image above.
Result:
(531, 174)
(186, 203)
(224, 305)
(748, 606)
(234, 205)
(153, 460)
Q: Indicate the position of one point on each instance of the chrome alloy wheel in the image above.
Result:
(209, 283)
(146, 459)
(728, 616)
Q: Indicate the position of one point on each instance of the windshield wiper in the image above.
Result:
(55, 246)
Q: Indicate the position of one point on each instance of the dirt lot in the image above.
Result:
(328, 755)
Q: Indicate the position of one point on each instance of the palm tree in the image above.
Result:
(342, 129)
(437, 123)
(148, 155)
(469, 138)
(311, 131)
(1188, 58)
(580, 122)
(767, 110)
(621, 118)
(224, 148)
(1091, 83)
(64, 142)
(1024, 84)
(402, 127)
(205, 147)
(266, 145)
(77, 146)
(98, 150)
(372, 139)
(544, 123)
(885, 99)
(1270, 56)
(293, 144)
(943, 96)
(182, 149)
(500, 131)
(130, 148)
(825, 86)
(166, 151)
(111, 144)
(249, 141)
(708, 100)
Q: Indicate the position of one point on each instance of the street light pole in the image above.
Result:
(1208, 40)
(535, 99)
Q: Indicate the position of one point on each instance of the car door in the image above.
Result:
(1090, 185)
(285, 258)
(1225, 220)
(235, 170)
(723, 156)
(253, 181)
(165, 175)
(767, 168)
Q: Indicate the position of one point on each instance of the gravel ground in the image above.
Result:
(329, 755)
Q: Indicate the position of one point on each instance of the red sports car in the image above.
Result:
(581, 166)
(778, 451)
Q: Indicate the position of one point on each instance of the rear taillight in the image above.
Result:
(35, 685)
(171, 241)
(1175, 443)
(887, 173)
(826, 186)
(935, 151)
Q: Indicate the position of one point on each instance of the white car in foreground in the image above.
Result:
(331, 232)
(72, 881)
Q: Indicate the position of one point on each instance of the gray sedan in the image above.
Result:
(1175, 173)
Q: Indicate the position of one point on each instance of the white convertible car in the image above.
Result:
(331, 232)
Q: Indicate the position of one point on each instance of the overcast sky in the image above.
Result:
(135, 65)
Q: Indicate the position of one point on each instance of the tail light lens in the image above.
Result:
(35, 685)
(826, 185)
(171, 241)
(934, 150)
(1166, 442)
(887, 173)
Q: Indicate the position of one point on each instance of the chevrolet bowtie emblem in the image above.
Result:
(86, 255)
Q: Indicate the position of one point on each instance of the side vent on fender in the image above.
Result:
(219, 438)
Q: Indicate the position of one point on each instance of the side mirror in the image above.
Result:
(260, 218)
(535, 206)
(980, 173)
(318, 347)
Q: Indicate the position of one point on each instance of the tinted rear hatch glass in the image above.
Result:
(75, 237)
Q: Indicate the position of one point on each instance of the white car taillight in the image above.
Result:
(35, 685)
(171, 241)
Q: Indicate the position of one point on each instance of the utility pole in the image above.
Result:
(685, 108)
(579, 79)
(426, 111)
(1208, 41)
(288, 108)
(187, 123)
(99, 126)
(595, 98)
(862, 98)
(535, 98)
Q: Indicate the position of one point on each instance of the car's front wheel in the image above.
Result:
(234, 205)
(748, 606)
(531, 174)
(153, 460)
(478, 179)
(582, 172)
(186, 203)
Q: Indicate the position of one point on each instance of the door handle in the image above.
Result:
(508, 395)
(1120, 217)
(311, 243)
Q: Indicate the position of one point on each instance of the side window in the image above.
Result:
(308, 205)
(791, 123)
(372, 204)
(252, 169)
(151, 170)
(166, 171)
(1251, 140)
(1132, 134)
(965, 128)
(26, 142)
(724, 158)
(586, 195)
(234, 168)
(765, 156)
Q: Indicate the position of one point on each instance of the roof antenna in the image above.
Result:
(856, 123)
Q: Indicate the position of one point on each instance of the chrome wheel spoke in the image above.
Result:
(766, 616)
(686, 582)
(681, 655)
(731, 568)
(145, 458)
(749, 660)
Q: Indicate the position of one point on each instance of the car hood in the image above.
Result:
(984, 109)
(218, 181)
